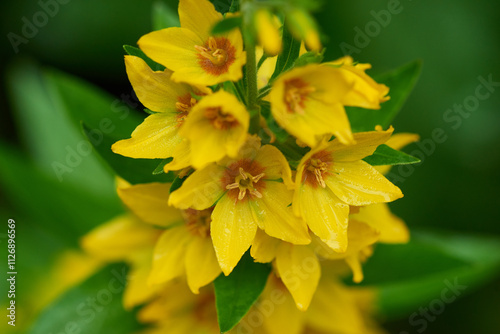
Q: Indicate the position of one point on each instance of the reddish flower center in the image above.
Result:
(316, 168)
(244, 179)
(198, 222)
(297, 92)
(184, 105)
(216, 55)
(220, 119)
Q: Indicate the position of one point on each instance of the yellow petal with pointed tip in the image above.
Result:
(155, 138)
(154, 89)
(149, 203)
(268, 30)
(300, 271)
(201, 263)
(233, 229)
(169, 253)
(199, 16)
(392, 229)
(366, 144)
(181, 157)
(276, 165)
(358, 183)
(324, 213)
(264, 247)
(200, 190)
(274, 215)
(365, 92)
(119, 238)
(217, 126)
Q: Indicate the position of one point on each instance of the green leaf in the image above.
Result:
(95, 307)
(236, 293)
(58, 207)
(164, 17)
(50, 130)
(227, 24)
(290, 53)
(133, 51)
(235, 6)
(401, 82)
(178, 181)
(310, 57)
(385, 155)
(132, 170)
(413, 275)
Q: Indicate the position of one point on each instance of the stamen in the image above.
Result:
(318, 167)
(216, 55)
(246, 182)
(296, 93)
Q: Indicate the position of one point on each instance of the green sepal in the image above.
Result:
(385, 155)
(133, 51)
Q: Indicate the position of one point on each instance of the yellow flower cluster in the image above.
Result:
(240, 194)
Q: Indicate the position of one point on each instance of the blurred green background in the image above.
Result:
(457, 185)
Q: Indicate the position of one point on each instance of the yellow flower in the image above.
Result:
(125, 238)
(309, 101)
(248, 195)
(331, 177)
(365, 92)
(268, 31)
(303, 27)
(361, 237)
(185, 248)
(306, 102)
(296, 265)
(217, 126)
(191, 52)
(334, 309)
(157, 137)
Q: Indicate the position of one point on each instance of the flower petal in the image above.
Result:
(201, 263)
(324, 213)
(169, 253)
(119, 238)
(172, 47)
(365, 144)
(392, 228)
(199, 16)
(217, 126)
(334, 310)
(154, 89)
(264, 247)
(155, 138)
(232, 229)
(149, 203)
(135, 293)
(276, 165)
(300, 271)
(358, 183)
(200, 190)
(274, 215)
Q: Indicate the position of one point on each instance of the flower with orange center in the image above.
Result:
(331, 177)
(158, 136)
(217, 126)
(309, 101)
(249, 193)
(192, 52)
(185, 247)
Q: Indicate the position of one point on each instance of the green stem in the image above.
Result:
(251, 65)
